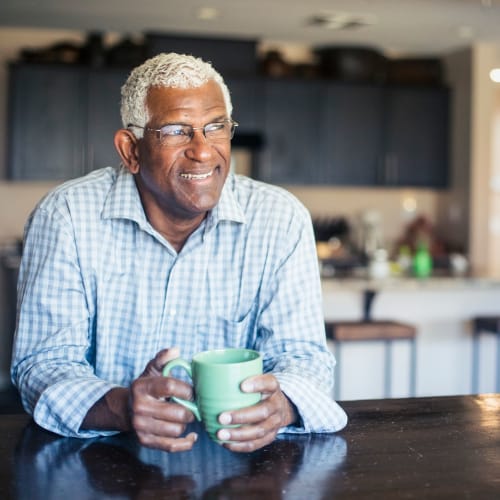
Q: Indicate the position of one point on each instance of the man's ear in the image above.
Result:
(126, 145)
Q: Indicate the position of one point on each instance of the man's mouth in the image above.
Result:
(197, 177)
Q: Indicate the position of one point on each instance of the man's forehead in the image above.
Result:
(170, 100)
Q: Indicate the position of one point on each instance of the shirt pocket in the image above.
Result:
(217, 332)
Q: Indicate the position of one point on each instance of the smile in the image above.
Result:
(197, 177)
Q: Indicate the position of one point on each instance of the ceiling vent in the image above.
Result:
(342, 21)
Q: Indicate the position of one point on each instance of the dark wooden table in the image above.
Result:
(444, 447)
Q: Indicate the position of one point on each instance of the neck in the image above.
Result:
(175, 230)
(174, 225)
(177, 235)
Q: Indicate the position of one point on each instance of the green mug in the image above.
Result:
(217, 376)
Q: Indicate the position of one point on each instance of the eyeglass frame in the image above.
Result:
(233, 123)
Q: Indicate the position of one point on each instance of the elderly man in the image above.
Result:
(170, 254)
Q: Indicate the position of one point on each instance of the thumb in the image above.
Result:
(155, 366)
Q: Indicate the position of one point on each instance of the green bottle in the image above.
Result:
(422, 262)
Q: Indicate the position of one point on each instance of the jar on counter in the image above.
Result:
(379, 267)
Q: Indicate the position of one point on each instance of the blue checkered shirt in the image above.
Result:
(100, 292)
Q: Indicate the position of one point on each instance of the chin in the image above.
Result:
(205, 203)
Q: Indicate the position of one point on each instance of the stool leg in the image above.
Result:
(413, 367)
(336, 388)
(388, 368)
(475, 362)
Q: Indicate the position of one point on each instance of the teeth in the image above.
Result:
(197, 176)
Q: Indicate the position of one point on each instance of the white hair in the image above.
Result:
(165, 70)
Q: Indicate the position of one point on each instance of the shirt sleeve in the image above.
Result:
(51, 355)
(292, 326)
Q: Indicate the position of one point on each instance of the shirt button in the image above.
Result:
(173, 312)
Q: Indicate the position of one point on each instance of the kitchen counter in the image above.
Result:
(441, 308)
(437, 282)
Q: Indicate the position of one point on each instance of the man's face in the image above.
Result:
(183, 182)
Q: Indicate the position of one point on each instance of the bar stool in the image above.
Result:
(386, 331)
(484, 325)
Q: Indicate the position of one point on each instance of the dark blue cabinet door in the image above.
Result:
(352, 126)
(293, 132)
(247, 99)
(47, 123)
(103, 116)
(416, 140)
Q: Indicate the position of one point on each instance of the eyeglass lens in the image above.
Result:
(176, 134)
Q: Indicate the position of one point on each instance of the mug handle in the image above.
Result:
(187, 366)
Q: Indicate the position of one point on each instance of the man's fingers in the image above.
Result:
(148, 390)
(155, 366)
(265, 384)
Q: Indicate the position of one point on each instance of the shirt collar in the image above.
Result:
(124, 202)
(228, 208)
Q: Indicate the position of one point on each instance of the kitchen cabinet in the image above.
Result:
(386, 136)
(46, 130)
(62, 120)
(416, 137)
(103, 116)
(324, 133)
(247, 96)
(293, 132)
(352, 134)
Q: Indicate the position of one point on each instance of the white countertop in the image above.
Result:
(409, 283)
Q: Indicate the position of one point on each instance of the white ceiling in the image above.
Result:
(410, 27)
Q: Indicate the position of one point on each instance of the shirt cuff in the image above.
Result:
(63, 406)
(317, 409)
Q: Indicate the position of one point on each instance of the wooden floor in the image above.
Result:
(10, 401)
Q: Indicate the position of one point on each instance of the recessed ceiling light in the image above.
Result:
(495, 75)
(207, 13)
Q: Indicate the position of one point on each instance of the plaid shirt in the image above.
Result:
(100, 292)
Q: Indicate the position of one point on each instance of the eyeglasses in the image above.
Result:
(177, 134)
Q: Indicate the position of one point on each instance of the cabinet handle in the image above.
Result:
(396, 169)
(391, 169)
(388, 169)
(381, 167)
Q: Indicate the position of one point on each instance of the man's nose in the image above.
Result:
(198, 148)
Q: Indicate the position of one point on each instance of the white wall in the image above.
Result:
(484, 189)
(454, 205)
(352, 202)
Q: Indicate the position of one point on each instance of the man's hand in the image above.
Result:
(259, 423)
(158, 422)
(145, 408)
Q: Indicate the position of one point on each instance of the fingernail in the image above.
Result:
(224, 435)
(247, 387)
(225, 418)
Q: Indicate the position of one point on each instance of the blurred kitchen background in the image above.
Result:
(381, 116)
